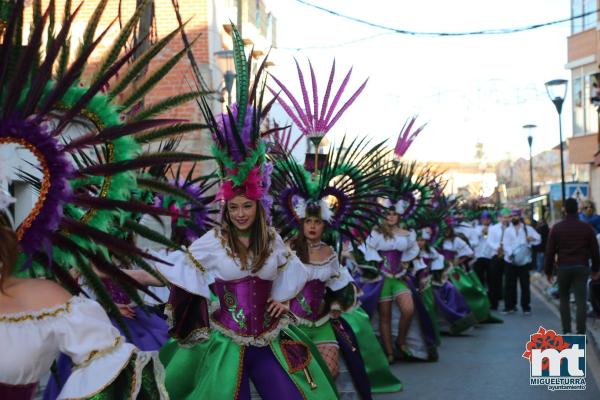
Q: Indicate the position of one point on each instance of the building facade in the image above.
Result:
(583, 48)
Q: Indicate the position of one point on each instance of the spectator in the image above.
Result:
(573, 244)
(483, 252)
(588, 214)
(518, 256)
(495, 240)
(538, 251)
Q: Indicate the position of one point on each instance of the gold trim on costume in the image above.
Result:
(238, 384)
(33, 316)
(194, 261)
(44, 188)
(94, 354)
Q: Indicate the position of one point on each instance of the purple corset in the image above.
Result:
(392, 261)
(116, 293)
(449, 255)
(243, 306)
(17, 392)
(309, 304)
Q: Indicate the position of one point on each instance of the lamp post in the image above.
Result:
(225, 62)
(557, 91)
(529, 128)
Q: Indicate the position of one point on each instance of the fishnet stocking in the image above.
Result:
(331, 356)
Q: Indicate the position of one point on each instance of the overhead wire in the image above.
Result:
(501, 31)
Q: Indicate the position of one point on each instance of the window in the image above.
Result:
(578, 111)
(577, 93)
(589, 21)
(581, 7)
(591, 113)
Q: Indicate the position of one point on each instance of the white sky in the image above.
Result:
(469, 89)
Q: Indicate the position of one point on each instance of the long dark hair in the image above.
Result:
(9, 250)
(260, 239)
(300, 245)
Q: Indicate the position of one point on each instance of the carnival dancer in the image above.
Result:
(252, 273)
(331, 211)
(396, 247)
(329, 290)
(420, 275)
(39, 319)
(458, 253)
(449, 302)
(83, 197)
(518, 240)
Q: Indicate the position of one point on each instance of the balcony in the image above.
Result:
(582, 45)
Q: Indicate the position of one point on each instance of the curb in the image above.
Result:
(541, 286)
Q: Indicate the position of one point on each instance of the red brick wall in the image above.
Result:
(180, 79)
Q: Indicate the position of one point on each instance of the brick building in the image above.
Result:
(210, 19)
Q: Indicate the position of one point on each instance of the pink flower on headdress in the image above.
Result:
(251, 188)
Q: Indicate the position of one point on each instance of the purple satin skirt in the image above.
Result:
(451, 304)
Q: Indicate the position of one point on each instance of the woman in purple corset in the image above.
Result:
(310, 306)
(449, 302)
(146, 329)
(253, 274)
(396, 247)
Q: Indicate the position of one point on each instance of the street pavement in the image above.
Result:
(487, 364)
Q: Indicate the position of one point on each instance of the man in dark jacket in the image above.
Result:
(572, 245)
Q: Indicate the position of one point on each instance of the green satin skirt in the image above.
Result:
(469, 285)
(378, 369)
(212, 369)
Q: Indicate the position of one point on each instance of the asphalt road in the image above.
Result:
(487, 364)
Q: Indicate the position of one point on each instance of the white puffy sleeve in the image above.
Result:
(341, 278)
(412, 251)
(98, 351)
(438, 261)
(190, 270)
(292, 275)
(376, 241)
(462, 248)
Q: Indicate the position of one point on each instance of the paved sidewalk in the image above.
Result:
(540, 283)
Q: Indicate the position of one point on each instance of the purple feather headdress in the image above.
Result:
(54, 189)
(316, 120)
(406, 137)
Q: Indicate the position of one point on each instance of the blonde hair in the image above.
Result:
(385, 230)
(260, 240)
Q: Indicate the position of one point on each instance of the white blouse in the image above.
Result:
(209, 258)
(330, 271)
(407, 244)
(79, 328)
(458, 245)
(436, 265)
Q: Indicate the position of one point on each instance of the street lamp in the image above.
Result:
(529, 128)
(557, 91)
(225, 62)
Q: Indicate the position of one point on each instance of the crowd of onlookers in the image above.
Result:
(567, 253)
